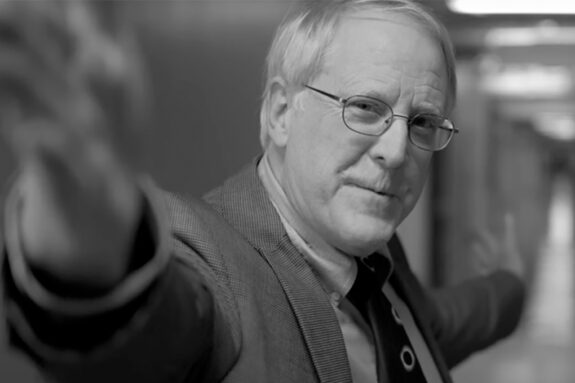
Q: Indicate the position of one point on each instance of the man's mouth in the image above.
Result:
(382, 191)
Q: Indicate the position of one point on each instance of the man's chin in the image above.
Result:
(364, 243)
(361, 234)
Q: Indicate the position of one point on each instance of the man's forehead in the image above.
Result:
(383, 65)
(365, 39)
(413, 20)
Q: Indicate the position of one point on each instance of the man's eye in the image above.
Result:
(430, 122)
(365, 110)
(368, 107)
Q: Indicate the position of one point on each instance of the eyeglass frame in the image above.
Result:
(343, 102)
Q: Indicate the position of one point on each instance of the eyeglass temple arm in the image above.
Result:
(454, 130)
(333, 97)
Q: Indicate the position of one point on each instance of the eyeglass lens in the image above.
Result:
(370, 116)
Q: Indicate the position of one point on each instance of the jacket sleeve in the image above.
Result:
(472, 315)
(476, 313)
(161, 324)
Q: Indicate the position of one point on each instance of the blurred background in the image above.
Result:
(514, 154)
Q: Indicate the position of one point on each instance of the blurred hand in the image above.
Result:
(62, 102)
(493, 252)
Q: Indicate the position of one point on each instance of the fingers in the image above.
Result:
(41, 97)
(53, 87)
(25, 84)
(37, 28)
(56, 105)
(48, 47)
(485, 253)
(33, 67)
(486, 241)
(492, 251)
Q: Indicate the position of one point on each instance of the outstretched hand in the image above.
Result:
(63, 101)
(493, 252)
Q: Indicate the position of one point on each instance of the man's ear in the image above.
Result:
(280, 112)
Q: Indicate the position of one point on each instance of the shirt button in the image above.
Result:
(407, 358)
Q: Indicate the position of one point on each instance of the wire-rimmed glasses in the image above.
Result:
(372, 117)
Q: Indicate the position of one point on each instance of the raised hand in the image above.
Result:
(492, 252)
(65, 99)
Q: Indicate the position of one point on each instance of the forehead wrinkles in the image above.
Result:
(390, 82)
(423, 81)
(390, 58)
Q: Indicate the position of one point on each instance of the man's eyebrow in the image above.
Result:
(428, 108)
(374, 93)
(429, 103)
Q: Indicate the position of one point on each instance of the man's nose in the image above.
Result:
(390, 149)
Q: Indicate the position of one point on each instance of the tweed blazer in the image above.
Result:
(235, 303)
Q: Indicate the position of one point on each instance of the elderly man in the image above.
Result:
(292, 271)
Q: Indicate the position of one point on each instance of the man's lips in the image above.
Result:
(372, 187)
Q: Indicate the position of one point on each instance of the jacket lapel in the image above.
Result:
(314, 313)
(244, 203)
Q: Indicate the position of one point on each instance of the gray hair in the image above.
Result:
(302, 41)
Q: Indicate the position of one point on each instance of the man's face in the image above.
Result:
(354, 190)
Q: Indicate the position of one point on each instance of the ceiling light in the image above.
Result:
(555, 7)
(528, 81)
(530, 36)
(556, 126)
